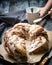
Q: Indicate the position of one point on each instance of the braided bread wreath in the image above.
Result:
(16, 38)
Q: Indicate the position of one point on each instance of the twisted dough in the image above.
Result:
(15, 39)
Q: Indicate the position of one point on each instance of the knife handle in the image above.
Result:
(44, 61)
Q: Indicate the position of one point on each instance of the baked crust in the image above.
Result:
(39, 45)
(15, 39)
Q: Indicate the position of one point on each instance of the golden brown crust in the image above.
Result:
(35, 30)
(39, 45)
(15, 38)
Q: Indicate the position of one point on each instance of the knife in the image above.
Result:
(46, 58)
(41, 19)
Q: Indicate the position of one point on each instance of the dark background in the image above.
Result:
(7, 6)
